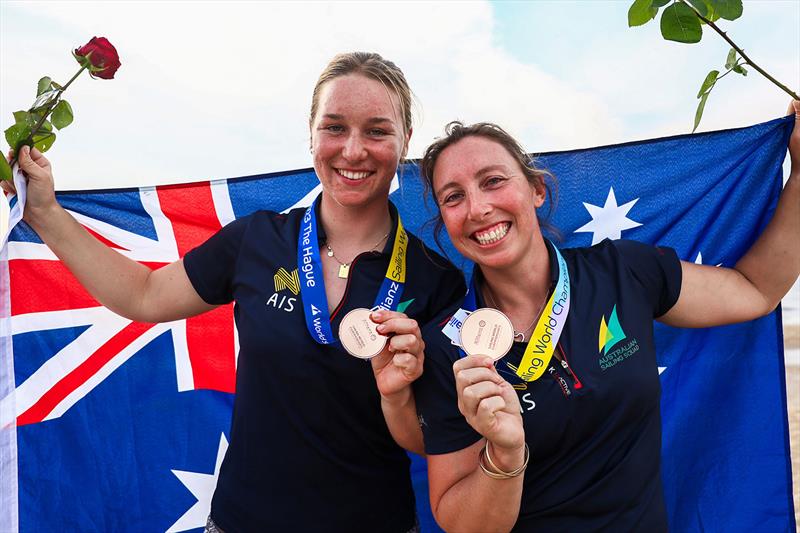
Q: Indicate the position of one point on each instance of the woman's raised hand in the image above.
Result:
(40, 190)
(400, 362)
(794, 140)
(488, 402)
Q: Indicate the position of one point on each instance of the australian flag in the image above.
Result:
(112, 425)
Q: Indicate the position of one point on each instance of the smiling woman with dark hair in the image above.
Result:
(586, 455)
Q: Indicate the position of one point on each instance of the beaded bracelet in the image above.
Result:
(498, 473)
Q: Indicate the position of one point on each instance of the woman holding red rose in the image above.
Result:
(313, 428)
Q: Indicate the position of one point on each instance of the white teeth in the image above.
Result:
(493, 235)
(353, 175)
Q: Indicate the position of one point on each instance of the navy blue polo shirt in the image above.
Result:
(594, 429)
(309, 447)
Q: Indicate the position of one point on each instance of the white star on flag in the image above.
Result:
(202, 487)
(609, 221)
(699, 259)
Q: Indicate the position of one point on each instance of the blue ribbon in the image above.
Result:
(312, 280)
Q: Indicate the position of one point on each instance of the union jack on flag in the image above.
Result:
(159, 226)
(112, 425)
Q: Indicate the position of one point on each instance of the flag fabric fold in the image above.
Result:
(112, 425)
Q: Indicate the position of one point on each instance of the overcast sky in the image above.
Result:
(212, 89)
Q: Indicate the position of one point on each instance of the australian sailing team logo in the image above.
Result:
(610, 342)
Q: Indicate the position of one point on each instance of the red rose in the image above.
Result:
(101, 56)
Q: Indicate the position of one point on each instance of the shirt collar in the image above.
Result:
(388, 245)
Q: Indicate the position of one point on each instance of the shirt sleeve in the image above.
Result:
(212, 265)
(444, 428)
(656, 269)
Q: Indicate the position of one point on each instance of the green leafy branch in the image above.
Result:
(31, 127)
(683, 20)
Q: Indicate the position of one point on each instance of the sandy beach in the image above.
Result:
(793, 388)
(791, 339)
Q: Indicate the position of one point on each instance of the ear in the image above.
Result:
(539, 194)
(406, 141)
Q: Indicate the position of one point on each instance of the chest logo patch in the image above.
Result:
(611, 333)
(285, 280)
(610, 342)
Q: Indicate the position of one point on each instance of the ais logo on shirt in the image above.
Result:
(283, 280)
(610, 342)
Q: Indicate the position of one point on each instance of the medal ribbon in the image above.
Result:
(312, 282)
(544, 338)
(548, 330)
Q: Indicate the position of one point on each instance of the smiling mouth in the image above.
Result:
(493, 234)
(353, 175)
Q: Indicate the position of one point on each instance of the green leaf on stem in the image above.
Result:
(660, 3)
(62, 115)
(699, 113)
(17, 133)
(33, 120)
(44, 141)
(641, 12)
(731, 61)
(23, 116)
(700, 6)
(5, 170)
(44, 86)
(711, 13)
(738, 69)
(708, 83)
(679, 23)
(727, 9)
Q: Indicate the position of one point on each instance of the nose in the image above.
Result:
(478, 205)
(354, 149)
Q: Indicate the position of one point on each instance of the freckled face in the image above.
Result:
(487, 204)
(358, 138)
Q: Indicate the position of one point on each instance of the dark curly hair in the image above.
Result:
(454, 132)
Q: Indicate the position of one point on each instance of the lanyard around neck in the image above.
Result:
(312, 283)
(544, 339)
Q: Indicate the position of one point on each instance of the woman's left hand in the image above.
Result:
(714, 296)
(794, 140)
(400, 362)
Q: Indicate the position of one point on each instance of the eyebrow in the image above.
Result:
(491, 168)
(481, 172)
(373, 120)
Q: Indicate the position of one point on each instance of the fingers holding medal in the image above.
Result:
(488, 402)
(397, 354)
(405, 341)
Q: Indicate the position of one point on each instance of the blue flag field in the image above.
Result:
(110, 425)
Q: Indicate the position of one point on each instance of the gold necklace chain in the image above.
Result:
(344, 268)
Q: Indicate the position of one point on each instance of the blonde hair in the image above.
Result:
(372, 66)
